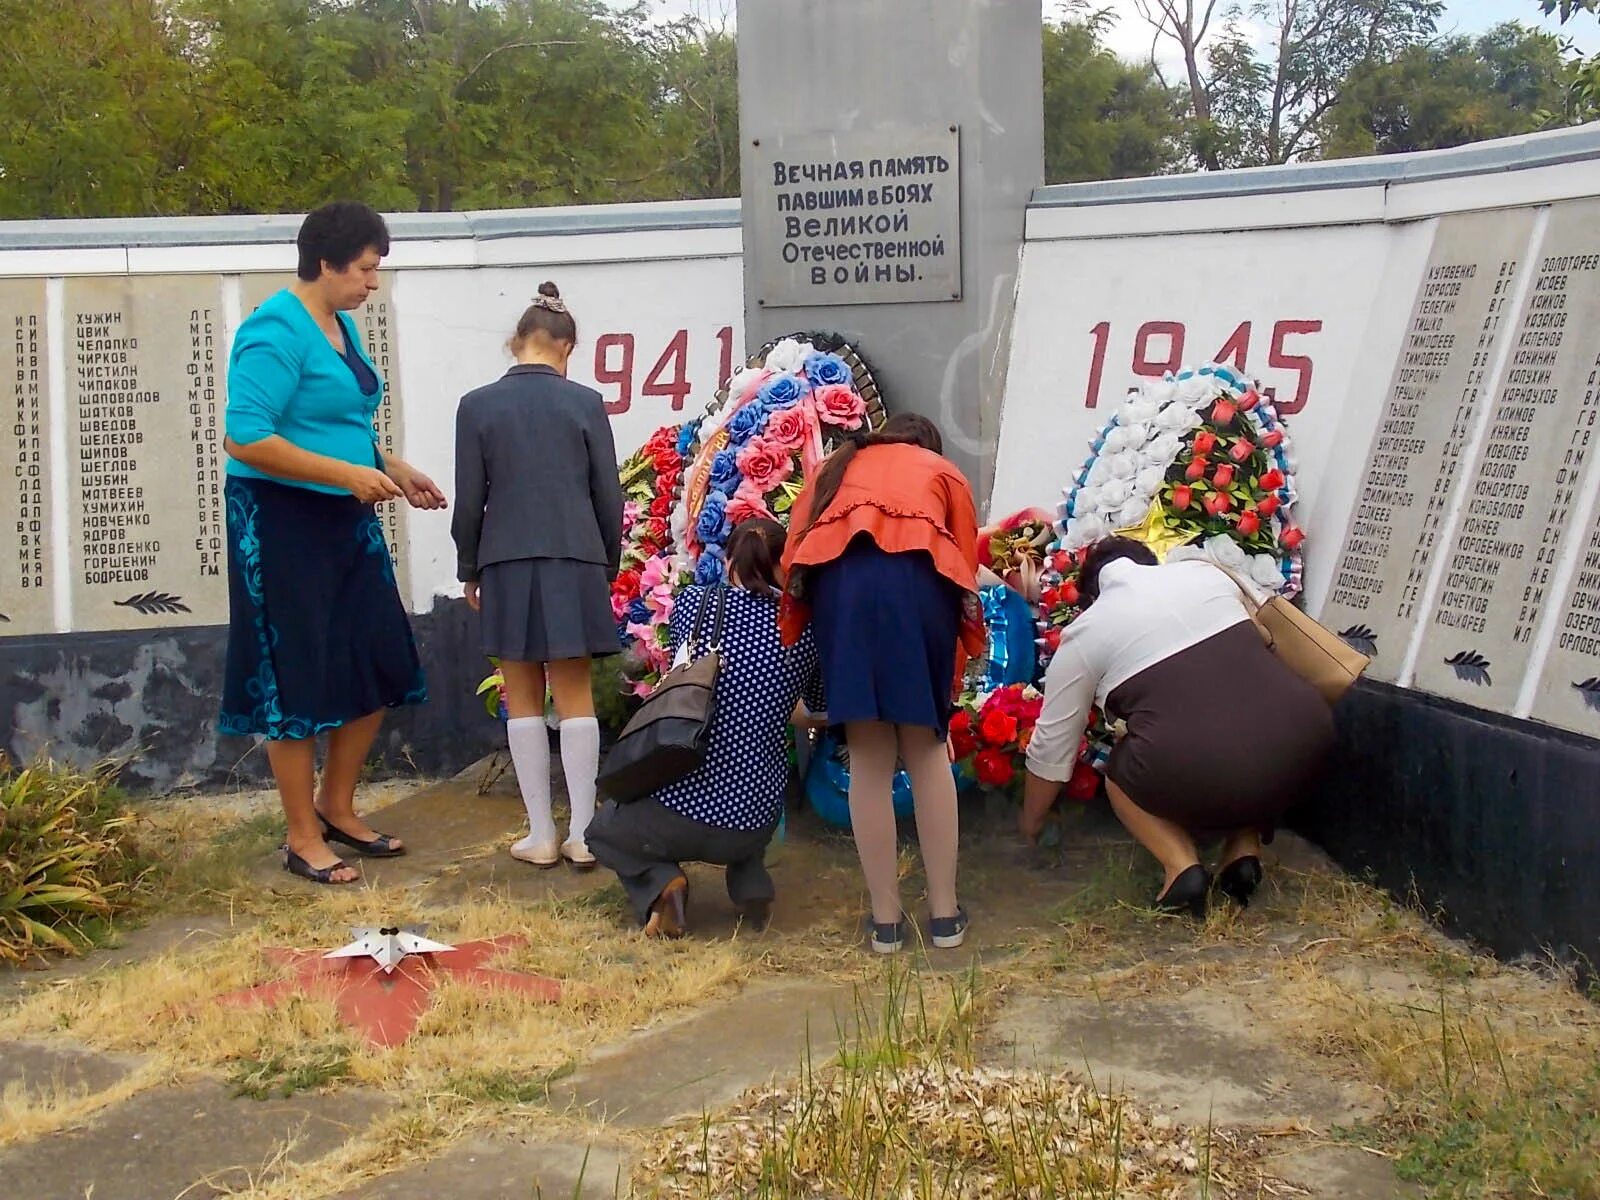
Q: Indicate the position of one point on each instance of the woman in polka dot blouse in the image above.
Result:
(727, 810)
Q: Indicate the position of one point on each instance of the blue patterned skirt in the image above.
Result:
(317, 635)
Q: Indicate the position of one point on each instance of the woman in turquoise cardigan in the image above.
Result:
(318, 639)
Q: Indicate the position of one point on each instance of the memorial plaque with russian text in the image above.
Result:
(857, 217)
(144, 446)
(376, 323)
(27, 603)
(1524, 486)
(1434, 399)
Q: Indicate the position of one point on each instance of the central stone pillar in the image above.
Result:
(888, 151)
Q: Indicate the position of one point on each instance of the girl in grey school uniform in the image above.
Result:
(538, 533)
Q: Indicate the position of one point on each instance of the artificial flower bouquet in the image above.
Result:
(642, 594)
(989, 734)
(781, 414)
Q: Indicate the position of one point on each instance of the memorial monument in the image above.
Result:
(888, 151)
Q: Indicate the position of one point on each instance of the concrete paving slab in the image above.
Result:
(197, 1142)
(501, 1169)
(132, 945)
(1342, 1173)
(40, 1068)
(1196, 1057)
(706, 1062)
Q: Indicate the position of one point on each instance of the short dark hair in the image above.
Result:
(338, 234)
(1109, 550)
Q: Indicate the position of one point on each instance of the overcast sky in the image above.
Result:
(1130, 38)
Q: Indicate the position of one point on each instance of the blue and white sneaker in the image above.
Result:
(887, 937)
(946, 933)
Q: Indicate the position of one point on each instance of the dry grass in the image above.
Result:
(30, 1112)
(1490, 1072)
(904, 1111)
(615, 983)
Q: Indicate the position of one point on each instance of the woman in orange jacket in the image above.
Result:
(883, 566)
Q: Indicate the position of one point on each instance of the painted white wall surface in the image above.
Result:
(1324, 276)
(1300, 308)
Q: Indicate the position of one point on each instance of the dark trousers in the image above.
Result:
(644, 842)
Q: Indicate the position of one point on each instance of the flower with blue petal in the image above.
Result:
(639, 613)
(711, 569)
(744, 424)
(725, 477)
(782, 391)
(687, 434)
(712, 525)
(824, 370)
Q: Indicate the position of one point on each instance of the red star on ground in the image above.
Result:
(385, 1007)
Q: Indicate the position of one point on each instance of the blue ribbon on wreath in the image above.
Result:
(1013, 656)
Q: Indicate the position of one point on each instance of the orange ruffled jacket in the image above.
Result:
(904, 498)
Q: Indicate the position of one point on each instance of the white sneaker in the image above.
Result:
(540, 854)
(577, 853)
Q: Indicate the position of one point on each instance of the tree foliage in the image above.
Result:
(1449, 93)
(1104, 118)
(167, 107)
(212, 106)
(1583, 74)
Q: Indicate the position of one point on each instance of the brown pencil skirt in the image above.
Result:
(1220, 736)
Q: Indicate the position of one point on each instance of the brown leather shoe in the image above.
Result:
(667, 915)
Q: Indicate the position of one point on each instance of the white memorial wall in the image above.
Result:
(1432, 343)
(1426, 324)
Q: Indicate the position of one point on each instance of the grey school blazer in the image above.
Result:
(536, 474)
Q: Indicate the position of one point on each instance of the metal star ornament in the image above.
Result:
(386, 946)
(1156, 532)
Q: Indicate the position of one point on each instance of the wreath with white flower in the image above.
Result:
(1197, 465)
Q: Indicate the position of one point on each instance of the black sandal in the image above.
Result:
(296, 865)
(382, 846)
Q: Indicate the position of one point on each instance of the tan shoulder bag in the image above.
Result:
(1311, 650)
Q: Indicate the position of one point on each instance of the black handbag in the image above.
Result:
(666, 739)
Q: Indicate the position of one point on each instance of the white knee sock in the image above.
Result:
(580, 762)
(530, 752)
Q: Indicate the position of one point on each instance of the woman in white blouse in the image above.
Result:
(1220, 737)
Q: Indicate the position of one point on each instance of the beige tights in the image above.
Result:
(874, 748)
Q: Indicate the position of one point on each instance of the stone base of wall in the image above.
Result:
(1491, 823)
(151, 699)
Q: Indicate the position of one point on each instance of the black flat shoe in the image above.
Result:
(296, 865)
(1187, 893)
(1239, 880)
(382, 846)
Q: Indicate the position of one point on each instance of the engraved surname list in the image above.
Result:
(1434, 400)
(140, 369)
(1523, 487)
(26, 599)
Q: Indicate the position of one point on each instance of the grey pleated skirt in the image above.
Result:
(546, 609)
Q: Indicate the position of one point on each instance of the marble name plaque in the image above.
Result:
(144, 451)
(1435, 396)
(27, 583)
(1525, 485)
(376, 323)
